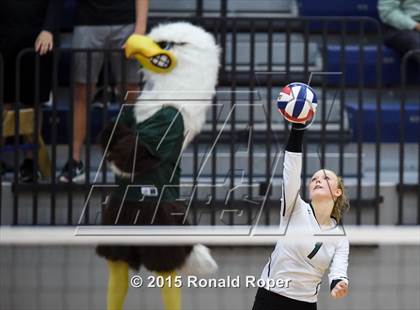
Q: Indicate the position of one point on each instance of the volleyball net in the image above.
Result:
(211, 235)
(57, 268)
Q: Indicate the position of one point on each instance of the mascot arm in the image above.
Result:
(125, 150)
(156, 140)
(117, 129)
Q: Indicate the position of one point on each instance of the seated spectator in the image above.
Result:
(27, 24)
(402, 24)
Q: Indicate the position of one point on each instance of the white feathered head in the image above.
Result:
(181, 63)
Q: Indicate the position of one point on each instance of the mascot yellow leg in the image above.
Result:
(171, 295)
(117, 284)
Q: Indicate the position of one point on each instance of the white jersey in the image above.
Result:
(304, 263)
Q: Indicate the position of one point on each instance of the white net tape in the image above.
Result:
(160, 235)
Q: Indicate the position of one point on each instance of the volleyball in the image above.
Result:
(297, 102)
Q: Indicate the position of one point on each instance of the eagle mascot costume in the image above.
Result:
(143, 148)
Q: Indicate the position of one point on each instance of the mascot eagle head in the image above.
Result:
(181, 63)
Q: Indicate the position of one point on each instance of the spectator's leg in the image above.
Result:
(127, 72)
(79, 117)
(403, 41)
(85, 37)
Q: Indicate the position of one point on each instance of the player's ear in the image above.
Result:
(338, 192)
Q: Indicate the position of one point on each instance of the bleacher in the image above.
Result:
(337, 55)
(301, 42)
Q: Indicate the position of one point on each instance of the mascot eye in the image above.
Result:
(165, 45)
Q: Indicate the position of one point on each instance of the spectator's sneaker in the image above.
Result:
(99, 99)
(76, 174)
(26, 171)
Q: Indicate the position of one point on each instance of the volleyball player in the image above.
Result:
(304, 262)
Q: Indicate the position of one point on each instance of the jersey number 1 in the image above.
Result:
(315, 250)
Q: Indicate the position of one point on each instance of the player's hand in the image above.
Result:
(340, 290)
(417, 27)
(44, 42)
(299, 126)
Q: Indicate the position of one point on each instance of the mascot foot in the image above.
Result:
(199, 262)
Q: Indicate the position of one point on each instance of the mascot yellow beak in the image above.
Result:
(150, 54)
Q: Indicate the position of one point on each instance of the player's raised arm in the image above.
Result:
(297, 104)
(292, 168)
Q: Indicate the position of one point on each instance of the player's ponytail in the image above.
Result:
(341, 204)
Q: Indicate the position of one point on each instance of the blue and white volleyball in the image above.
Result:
(297, 102)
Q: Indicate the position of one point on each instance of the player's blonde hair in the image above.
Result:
(341, 204)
